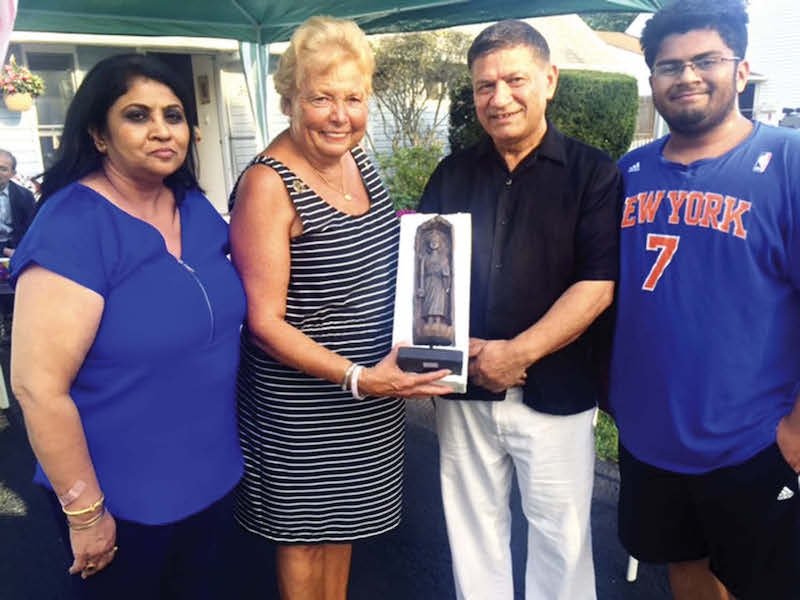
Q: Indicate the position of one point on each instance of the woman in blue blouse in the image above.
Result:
(125, 340)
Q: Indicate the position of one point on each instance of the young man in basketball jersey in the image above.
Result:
(706, 363)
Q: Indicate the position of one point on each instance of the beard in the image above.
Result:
(697, 121)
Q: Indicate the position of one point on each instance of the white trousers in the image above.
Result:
(481, 444)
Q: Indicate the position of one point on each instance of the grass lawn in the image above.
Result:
(606, 438)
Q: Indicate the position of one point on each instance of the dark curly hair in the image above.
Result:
(726, 17)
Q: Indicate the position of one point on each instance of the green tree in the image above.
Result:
(603, 21)
(412, 72)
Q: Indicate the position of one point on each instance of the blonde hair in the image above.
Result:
(316, 46)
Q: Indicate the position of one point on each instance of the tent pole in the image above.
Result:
(255, 66)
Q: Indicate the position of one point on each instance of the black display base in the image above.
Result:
(415, 359)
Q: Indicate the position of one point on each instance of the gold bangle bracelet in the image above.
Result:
(87, 524)
(85, 511)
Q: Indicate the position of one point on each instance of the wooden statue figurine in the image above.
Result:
(433, 301)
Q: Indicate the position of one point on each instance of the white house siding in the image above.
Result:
(243, 141)
(277, 120)
(773, 52)
(19, 135)
(380, 133)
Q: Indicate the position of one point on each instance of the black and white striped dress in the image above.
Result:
(319, 465)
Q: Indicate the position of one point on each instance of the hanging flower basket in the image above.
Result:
(19, 85)
(19, 101)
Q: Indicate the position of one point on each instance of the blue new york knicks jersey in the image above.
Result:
(707, 347)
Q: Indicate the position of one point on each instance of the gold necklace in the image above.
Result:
(342, 191)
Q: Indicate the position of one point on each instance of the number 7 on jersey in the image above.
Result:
(666, 245)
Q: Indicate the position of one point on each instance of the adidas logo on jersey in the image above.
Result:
(762, 162)
(635, 168)
(785, 494)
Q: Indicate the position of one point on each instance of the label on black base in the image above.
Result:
(415, 359)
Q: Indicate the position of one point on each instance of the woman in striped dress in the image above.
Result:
(314, 237)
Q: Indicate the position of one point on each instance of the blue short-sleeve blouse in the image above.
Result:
(156, 391)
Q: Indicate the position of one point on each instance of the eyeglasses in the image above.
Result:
(707, 64)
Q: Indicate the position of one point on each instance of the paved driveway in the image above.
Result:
(411, 563)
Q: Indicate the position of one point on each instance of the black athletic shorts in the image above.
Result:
(744, 518)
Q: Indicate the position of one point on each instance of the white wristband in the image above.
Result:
(347, 376)
(354, 384)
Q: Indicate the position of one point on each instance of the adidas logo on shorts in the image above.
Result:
(785, 494)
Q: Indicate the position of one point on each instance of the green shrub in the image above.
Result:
(407, 170)
(597, 108)
(464, 130)
(606, 438)
(592, 106)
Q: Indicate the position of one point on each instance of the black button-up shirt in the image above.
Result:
(536, 230)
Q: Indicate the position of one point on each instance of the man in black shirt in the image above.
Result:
(544, 262)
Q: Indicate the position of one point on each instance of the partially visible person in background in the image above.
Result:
(125, 342)
(314, 236)
(17, 205)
